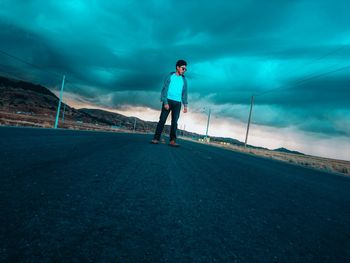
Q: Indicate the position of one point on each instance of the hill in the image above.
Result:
(118, 120)
(284, 150)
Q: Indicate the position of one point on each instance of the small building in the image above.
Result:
(205, 139)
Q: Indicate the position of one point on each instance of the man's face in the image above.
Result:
(181, 70)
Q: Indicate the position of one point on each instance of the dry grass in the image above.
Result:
(319, 163)
(12, 119)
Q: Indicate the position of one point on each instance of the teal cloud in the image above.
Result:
(276, 50)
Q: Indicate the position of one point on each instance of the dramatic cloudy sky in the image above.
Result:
(293, 56)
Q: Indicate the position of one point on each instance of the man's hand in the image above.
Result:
(166, 106)
(185, 109)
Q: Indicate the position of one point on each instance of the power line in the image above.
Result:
(312, 76)
(11, 75)
(329, 53)
(28, 63)
(323, 56)
(304, 81)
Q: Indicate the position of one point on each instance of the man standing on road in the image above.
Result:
(174, 92)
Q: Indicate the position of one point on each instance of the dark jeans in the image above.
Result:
(175, 108)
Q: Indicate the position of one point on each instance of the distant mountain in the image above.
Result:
(284, 150)
(227, 140)
(119, 120)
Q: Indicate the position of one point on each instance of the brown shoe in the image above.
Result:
(173, 144)
(154, 141)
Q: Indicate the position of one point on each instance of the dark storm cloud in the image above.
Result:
(122, 50)
(330, 92)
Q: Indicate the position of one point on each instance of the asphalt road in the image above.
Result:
(75, 196)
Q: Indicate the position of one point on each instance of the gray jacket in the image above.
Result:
(164, 94)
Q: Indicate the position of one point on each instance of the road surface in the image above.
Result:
(79, 196)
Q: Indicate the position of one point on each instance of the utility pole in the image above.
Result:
(206, 134)
(59, 102)
(250, 116)
(135, 124)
